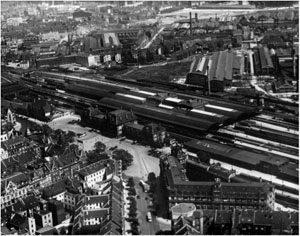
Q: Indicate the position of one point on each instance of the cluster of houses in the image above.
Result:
(45, 194)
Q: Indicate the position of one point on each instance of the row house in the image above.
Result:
(66, 191)
(95, 172)
(14, 187)
(101, 213)
(251, 222)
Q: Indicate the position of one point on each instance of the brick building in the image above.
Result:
(213, 195)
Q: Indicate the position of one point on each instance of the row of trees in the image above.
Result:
(132, 215)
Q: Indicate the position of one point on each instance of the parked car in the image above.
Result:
(149, 217)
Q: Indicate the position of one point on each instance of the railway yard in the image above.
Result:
(150, 118)
(260, 145)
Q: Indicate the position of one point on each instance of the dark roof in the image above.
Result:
(98, 213)
(177, 178)
(81, 13)
(16, 142)
(17, 207)
(96, 199)
(19, 222)
(92, 168)
(42, 104)
(122, 116)
(134, 126)
(54, 189)
(18, 178)
(234, 153)
(31, 202)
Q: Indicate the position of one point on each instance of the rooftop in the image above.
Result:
(183, 208)
(98, 213)
(94, 167)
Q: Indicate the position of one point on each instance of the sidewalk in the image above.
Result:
(126, 211)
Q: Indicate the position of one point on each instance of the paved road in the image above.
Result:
(154, 37)
(147, 228)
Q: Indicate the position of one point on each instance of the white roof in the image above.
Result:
(145, 92)
(206, 113)
(132, 96)
(165, 106)
(173, 99)
(220, 108)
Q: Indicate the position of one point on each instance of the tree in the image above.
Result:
(63, 231)
(149, 55)
(130, 182)
(94, 156)
(124, 156)
(132, 191)
(100, 147)
(151, 177)
(46, 130)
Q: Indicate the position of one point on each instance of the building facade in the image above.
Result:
(213, 195)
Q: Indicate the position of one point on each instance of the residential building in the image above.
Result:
(67, 191)
(30, 39)
(16, 146)
(43, 218)
(101, 213)
(58, 211)
(93, 173)
(24, 225)
(252, 222)
(13, 187)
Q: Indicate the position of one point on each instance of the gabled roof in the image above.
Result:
(17, 178)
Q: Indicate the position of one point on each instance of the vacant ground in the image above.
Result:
(160, 73)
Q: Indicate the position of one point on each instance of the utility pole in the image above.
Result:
(293, 50)
(208, 81)
(191, 24)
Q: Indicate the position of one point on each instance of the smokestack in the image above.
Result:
(191, 25)
(196, 17)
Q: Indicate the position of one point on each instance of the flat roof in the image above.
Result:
(206, 113)
(174, 99)
(165, 106)
(131, 96)
(220, 108)
(183, 208)
(145, 92)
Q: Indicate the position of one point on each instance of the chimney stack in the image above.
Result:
(191, 25)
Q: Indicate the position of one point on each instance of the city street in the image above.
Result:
(143, 205)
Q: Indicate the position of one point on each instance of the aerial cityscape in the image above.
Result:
(149, 117)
